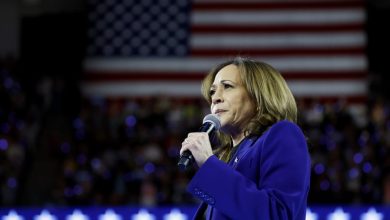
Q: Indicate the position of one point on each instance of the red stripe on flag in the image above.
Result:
(286, 28)
(277, 51)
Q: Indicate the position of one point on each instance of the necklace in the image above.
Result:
(235, 151)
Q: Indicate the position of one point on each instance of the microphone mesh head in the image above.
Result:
(213, 118)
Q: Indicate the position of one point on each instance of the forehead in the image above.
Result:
(229, 72)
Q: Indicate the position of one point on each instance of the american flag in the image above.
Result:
(150, 47)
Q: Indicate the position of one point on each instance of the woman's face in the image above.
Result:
(230, 100)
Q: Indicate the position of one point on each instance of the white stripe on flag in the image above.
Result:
(327, 87)
(177, 89)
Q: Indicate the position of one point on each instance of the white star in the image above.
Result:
(45, 215)
(12, 215)
(339, 214)
(311, 215)
(371, 214)
(175, 214)
(77, 215)
(110, 215)
(143, 215)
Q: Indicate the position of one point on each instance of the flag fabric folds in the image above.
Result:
(150, 47)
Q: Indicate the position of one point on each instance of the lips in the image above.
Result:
(218, 111)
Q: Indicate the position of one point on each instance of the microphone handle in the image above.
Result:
(186, 158)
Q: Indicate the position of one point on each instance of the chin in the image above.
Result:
(223, 122)
(225, 127)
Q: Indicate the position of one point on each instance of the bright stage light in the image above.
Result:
(178, 213)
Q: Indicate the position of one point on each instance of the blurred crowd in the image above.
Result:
(124, 151)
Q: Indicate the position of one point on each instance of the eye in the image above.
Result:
(226, 86)
(212, 92)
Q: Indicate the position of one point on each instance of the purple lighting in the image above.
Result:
(12, 183)
(78, 123)
(367, 167)
(353, 173)
(319, 168)
(358, 158)
(131, 121)
(149, 168)
(3, 144)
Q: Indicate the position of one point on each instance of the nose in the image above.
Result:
(217, 97)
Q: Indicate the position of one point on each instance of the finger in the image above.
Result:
(184, 147)
(197, 135)
(194, 134)
(186, 141)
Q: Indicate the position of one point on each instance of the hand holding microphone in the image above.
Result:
(197, 145)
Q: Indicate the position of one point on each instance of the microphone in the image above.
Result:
(210, 124)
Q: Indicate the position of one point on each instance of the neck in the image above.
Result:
(235, 133)
(237, 138)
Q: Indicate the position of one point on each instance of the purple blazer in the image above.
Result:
(268, 178)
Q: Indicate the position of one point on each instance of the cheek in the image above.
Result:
(246, 109)
(239, 110)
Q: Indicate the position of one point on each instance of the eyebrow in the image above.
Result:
(222, 81)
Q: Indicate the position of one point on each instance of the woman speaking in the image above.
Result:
(260, 168)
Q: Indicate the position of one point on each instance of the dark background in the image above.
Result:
(49, 43)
